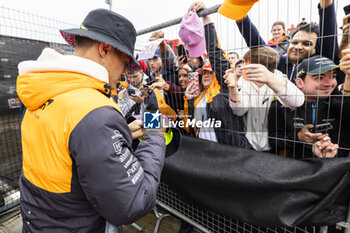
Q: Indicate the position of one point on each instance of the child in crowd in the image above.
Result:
(252, 95)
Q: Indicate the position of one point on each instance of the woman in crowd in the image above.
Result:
(279, 41)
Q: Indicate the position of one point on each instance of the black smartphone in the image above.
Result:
(181, 51)
(131, 91)
(347, 11)
(321, 128)
(148, 84)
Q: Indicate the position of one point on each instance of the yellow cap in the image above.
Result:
(236, 9)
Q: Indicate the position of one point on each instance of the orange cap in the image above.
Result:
(236, 9)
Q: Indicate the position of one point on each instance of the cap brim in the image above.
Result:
(322, 69)
(175, 142)
(69, 36)
(200, 71)
(233, 11)
(198, 50)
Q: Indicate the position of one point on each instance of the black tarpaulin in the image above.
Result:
(259, 188)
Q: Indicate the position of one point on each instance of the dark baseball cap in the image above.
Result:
(107, 27)
(315, 65)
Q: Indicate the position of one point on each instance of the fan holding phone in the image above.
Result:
(182, 54)
(192, 90)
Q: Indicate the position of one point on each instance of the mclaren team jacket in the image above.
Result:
(79, 168)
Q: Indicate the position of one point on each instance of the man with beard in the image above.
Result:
(305, 42)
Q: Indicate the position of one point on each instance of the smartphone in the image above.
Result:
(347, 11)
(181, 51)
(148, 84)
(321, 128)
(131, 91)
(193, 77)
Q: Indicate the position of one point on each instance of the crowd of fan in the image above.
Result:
(289, 96)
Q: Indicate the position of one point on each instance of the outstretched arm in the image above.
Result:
(168, 56)
(217, 56)
(250, 33)
(327, 44)
(345, 67)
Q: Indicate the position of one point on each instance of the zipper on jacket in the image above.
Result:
(314, 113)
(291, 75)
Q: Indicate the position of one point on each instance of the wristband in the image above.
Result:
(347, 91)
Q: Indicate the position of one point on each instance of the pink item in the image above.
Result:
(192, 34)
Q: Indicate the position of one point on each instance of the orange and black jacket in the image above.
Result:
(232, 128)
(79, 168)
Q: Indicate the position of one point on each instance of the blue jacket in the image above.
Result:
(326, 44)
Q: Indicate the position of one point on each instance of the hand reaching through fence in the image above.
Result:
(345, 61)
(157, 35)
(231, 81)
(305, 135)
(325, 148)
(345, 41)
(345, 67)
(198, 6)
(230, 78)
(261, 75)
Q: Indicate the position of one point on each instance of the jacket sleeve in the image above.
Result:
(217, 56)
(327, 44)
(169, 59)
(119, 183)
(253, 39)
(276, 128)
(241, 107)
(250, 33)
(175, 91)
(291, 96)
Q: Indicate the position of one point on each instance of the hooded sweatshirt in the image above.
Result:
(79, 168)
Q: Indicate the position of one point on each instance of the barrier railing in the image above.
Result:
(17, 47)
(208, 221)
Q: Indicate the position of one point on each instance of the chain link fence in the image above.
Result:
(22, 37)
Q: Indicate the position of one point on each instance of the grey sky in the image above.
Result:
(144, 14)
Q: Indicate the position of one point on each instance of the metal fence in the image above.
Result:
(22, 37)
(208, 221)
(19, 42)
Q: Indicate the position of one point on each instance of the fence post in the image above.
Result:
(347, 229)
(323, 229)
